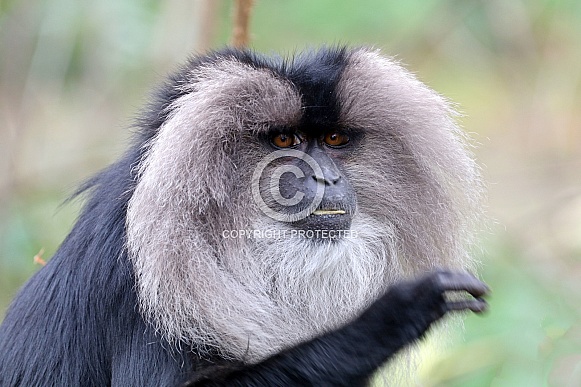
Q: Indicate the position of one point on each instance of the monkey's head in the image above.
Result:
(278, 197)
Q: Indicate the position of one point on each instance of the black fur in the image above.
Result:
(76, 322)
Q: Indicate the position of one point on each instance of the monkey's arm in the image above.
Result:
(350, 355)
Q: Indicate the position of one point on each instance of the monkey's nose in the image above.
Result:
(327, 179)
(331, 174)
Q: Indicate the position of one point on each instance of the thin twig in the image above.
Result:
(240, 34)
(38, 258)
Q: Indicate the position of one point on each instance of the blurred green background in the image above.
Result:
(73, 75)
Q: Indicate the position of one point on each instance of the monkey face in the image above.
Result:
(307, 182)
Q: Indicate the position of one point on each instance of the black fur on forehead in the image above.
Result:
(315, 73)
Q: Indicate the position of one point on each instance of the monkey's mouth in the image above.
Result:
(328, 215)
(328, 212)
(326, 219)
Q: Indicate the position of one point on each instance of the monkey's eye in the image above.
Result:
(336, 139)
(283, 140)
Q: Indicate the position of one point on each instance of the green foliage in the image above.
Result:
(530, 327)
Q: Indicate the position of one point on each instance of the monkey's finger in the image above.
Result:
(453, 281)
(477, 305)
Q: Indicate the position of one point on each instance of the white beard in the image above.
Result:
(287, 289)
(248, 299)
